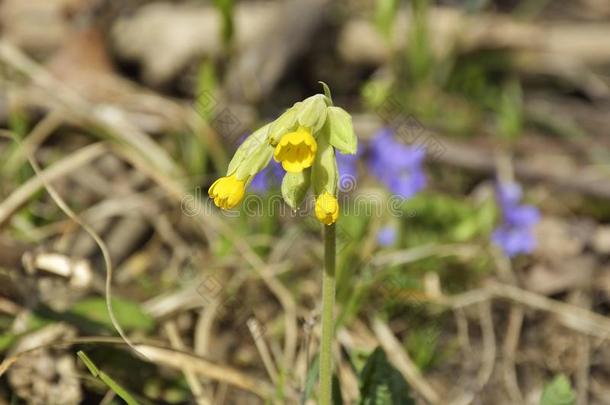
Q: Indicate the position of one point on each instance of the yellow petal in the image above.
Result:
(327, 209)
(296, 150)
(227, 192)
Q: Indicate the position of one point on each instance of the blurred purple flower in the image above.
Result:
(397, 166)
(270, 176)
(348, 165)
(508, 194)
(387, 236)
(514, 240)
(515, 235)
(521, 216)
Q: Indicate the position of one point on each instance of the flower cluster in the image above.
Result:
(397, 165)
(272, 175)
(303, 141)
(515, 235)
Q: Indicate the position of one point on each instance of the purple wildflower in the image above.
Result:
(514, 240)
(348, 171)
(515, 235)
(397, 166)
(348, 165)
(267, 178)
(387, 236)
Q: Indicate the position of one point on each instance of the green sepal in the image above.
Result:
(253, 143)
(255, 162)
(341, 130)
(312, 114)
(327, 93)
(284, 123)
(324, 173)
(295, 186)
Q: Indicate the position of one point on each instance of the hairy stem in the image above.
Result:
(328, 305)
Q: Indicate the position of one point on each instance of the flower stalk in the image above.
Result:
(304, 140)
(328, 306)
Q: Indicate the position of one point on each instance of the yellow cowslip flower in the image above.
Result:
(327, 209)
(227, 192)
(296, 150)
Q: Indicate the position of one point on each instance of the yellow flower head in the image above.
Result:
(327, 209)
(296, 150)
(227, 192)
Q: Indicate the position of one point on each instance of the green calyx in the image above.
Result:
(294, 187)
(252, 155)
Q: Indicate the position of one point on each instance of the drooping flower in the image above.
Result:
(296, 150)
(304, 140)
(227, 192)
(396, 165)
(515, 234)
(327, 209)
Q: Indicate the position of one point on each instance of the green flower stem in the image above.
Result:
(328, 305)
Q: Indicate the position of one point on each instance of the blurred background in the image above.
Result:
(474, 243)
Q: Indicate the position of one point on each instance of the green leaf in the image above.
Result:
(106, 379)
(252, 143)
(337, 396)
(7, 340)
(385, 15)
(327, 92)
(381, 383)
(207, 87)
(129, 314)
(312, 114)
(324, 173)
(510, 111)
(226, 7)
(285, 123)
(310, 381)
(558, 392)
(342, 134)
(295, 186)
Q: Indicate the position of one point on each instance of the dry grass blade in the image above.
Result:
(59, 169)
(180, 360)
(257, 334)
(489, 344)
(401, 360)
(168, 357)
(110, 118)
(72, 215)
(196, 387)
(574, 317)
